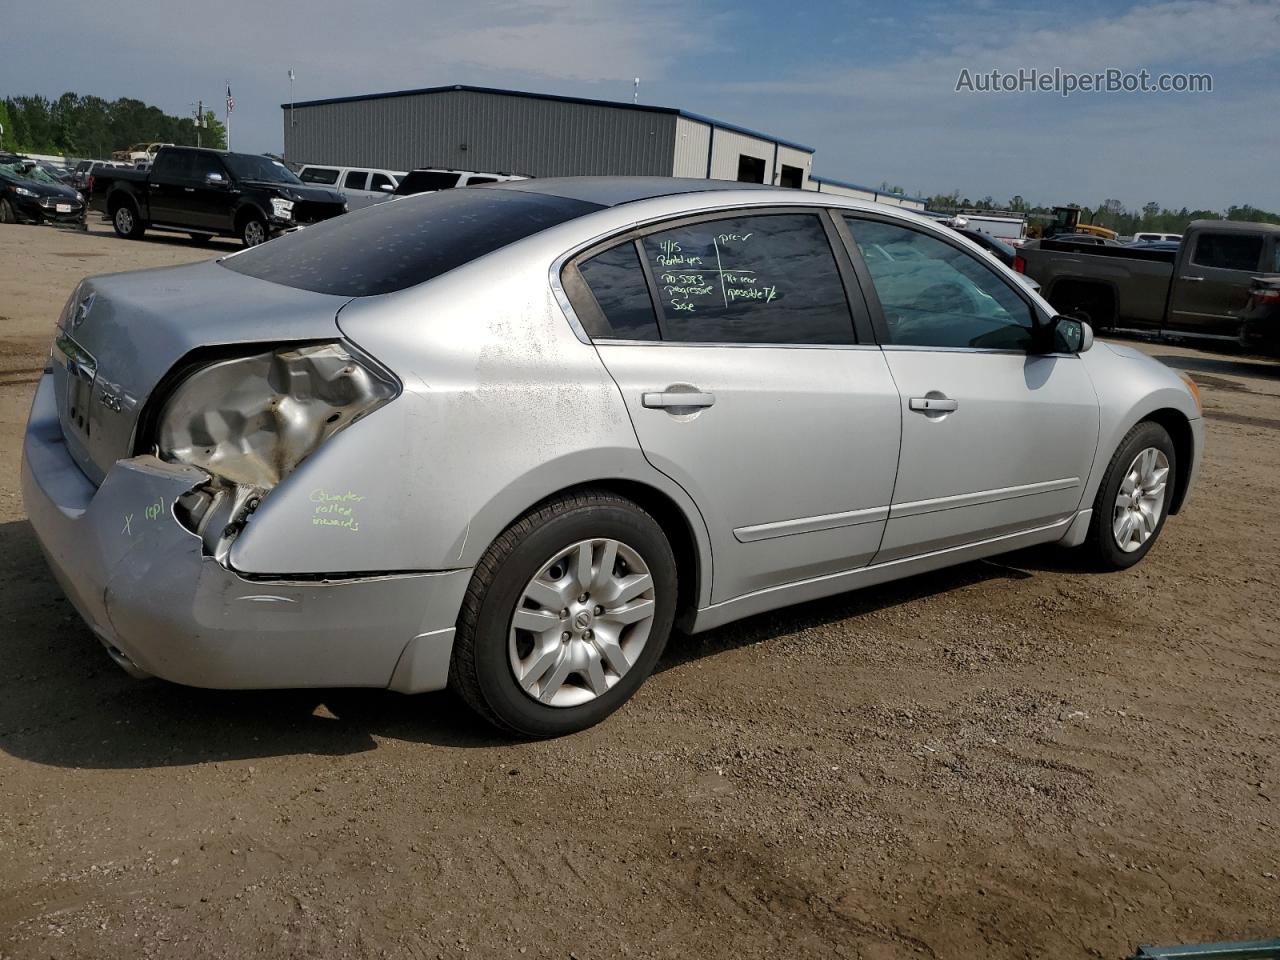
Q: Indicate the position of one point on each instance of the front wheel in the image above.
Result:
(7, 214)
(566, 615)
(1133, 500)
(253, 231)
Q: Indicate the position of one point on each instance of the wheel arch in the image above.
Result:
(686, 534)
(1178, 427)
(247, 209)
(117, 198)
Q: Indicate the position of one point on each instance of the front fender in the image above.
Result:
(1132, 387)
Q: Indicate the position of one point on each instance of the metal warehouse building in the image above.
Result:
(478, 128)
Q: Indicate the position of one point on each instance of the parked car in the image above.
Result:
(1260, 319)
(30, 194)
(209, 193)
(1088, 239)
(140, 152)
(85, 169)
(504, 438)
(997, 248)
(1198, 289)
(428, 179)
(362, 185)
(1157, 237)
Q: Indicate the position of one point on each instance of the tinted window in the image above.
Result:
(1228, 251)
(761, 279)
(248, 166)
(420, 181)
(616, 280)
(390, 246)
(318, 175)
(935, 295)
(203, 164)
(472, 181)
(1275, 267)
(355, 180)
(379, 180)
(171, 164)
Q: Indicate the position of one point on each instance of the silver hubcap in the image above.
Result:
(124, 220)
(253, 233)
(581, 623)
(1140, 502)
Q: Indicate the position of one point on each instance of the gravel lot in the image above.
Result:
(1010, 758)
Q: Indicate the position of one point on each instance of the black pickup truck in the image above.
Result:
(208, 193)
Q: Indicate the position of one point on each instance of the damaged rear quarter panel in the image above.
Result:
(502, 406)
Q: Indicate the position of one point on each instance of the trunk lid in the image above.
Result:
(123, 332)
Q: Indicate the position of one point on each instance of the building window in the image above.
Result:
(750, 169)
(791, 177)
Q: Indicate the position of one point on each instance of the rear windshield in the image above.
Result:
(391, 246)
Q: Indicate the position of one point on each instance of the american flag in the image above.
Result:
(231, 103)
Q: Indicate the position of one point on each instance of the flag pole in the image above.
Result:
(228, 105)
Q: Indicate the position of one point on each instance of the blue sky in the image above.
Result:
(869, 83)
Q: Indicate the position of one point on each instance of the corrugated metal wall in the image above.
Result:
(792, 157)
(693, 139)
(545, 138)
(840, 191)
(728, 146)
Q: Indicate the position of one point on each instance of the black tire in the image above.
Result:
(200, 239)
(481, 671)
(7, 214)
(1100, 545)
(126, 222)
(253, 230)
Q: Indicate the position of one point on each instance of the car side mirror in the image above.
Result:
(386, 187)
(1070, 334)
(213, 178)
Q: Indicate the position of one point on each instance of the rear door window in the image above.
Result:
(325, 175)
(1228, 251)
(172, 165)
(355, 180)
(768, 278)
(472, 181)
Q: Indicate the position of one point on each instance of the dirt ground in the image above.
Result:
(1008, 759)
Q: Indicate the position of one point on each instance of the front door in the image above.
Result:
(996, 439)
(748, 387)
(1211, 285)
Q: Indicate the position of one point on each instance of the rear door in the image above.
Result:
(166, 183)
(1211, 284)
(996, 439)
(749, 387)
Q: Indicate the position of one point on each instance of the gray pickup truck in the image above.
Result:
(1201, 289)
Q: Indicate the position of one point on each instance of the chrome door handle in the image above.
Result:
(1193, 279)
(933, 404)
(675, 398)
(189, 189)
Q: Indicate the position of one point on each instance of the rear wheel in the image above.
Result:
(126, 223)
(1133, 501)
(566, 615)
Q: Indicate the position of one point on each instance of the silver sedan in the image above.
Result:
(504, 438)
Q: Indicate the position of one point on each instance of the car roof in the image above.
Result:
(1234, 226)
(612, 191)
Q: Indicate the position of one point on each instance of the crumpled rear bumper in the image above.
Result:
(141, 582)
